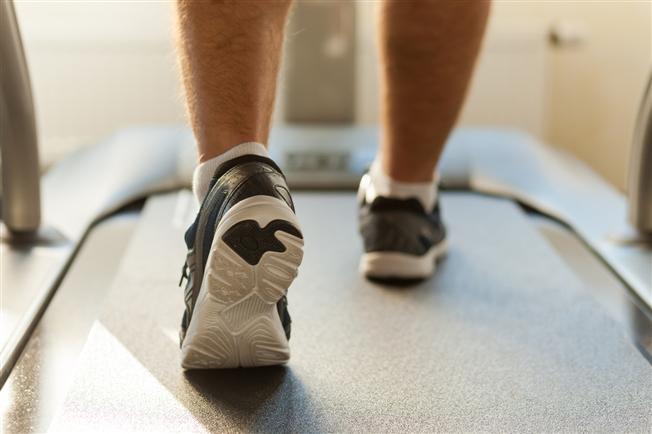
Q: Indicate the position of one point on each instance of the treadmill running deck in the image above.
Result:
(503, 338)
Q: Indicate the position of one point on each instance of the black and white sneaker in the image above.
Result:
(244, 250)
(402, 242)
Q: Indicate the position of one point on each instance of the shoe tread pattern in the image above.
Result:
(239, 323)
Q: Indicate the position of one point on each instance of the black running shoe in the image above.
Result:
(402, 242)
(244, 249)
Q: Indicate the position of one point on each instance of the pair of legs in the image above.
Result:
(230, 55)
(245, 246)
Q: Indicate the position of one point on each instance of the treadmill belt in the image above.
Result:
(503, 338)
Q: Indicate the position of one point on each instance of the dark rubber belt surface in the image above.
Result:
(503, 338)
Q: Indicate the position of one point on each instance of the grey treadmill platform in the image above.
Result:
(503, 338)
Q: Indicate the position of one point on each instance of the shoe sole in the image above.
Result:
(396, 265)
(254, 257)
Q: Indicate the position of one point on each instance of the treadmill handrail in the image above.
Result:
(21, 199)
(640, 167)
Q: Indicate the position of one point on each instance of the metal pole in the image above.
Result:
(640, 168)
(21, 204)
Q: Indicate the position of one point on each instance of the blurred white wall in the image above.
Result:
(593, 87)
(100, 66)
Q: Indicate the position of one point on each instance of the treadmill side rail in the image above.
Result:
(77, 192)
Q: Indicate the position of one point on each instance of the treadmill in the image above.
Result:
(539, 318)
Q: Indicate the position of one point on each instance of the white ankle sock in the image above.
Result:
(204, 172)
(377, 183)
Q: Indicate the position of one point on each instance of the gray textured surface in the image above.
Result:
(38, 383)
(503, 338)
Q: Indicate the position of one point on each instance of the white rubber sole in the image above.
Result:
(394, 265)
(235, 322)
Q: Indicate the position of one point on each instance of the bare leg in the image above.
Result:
(230, 53)
(427, 49)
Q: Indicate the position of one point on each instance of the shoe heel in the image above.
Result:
(254, 258)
